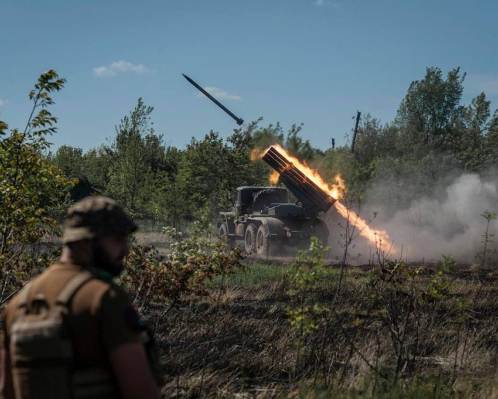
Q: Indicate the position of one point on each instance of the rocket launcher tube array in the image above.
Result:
(295, 180)
(300, 185)
(310, 199)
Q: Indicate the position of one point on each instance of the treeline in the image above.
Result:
(165, 183)
(432, 136)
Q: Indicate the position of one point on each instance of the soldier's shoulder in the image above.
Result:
(91, 284)
(17, 297)
(97, 291)
(97, 286)
(13, 304)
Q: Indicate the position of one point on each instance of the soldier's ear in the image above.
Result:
(77, 251)
(80, 244)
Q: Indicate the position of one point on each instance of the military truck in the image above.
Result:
(264, 218)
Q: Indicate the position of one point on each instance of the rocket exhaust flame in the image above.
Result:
(374, 236)
(274, 177)
(335, 190)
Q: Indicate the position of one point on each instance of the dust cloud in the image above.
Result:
(451, 224)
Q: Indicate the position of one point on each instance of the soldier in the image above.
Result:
(71, 332)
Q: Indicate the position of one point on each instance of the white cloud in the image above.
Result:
(220, 94)
(121, 66)
(2, 102)
(485, 82)
(321, 3)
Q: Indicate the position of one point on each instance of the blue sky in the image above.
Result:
(290, 61)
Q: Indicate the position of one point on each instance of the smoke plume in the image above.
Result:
(451, 224)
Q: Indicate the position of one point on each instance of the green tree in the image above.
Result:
(97, 163)
(478, 112)
(211, 169)
(264, 137)
(375, 140)
(166, 201)
(204, 172)
(133, 151)
(430, 107)
(71, 161)
(171, 203)
(340, 161)
(30, 187)
(491, 141)
(244, 170)
(470, 142)
(297, 146)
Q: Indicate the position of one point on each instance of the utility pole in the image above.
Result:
(358, 115)
(333, 144)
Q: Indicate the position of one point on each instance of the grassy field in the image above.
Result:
(396, 332)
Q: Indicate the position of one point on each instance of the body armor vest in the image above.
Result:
(41, 349)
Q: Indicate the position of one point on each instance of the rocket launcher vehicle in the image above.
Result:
(312, 197)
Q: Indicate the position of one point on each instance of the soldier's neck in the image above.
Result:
(78, 253)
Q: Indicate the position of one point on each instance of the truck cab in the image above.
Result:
(251, 199)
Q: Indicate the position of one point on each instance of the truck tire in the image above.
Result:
(223, 234)
(263, 241)
(250, 239)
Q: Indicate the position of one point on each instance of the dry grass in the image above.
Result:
(154, 238)
(242, 345)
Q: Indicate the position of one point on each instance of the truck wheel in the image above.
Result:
(223, 233)
(263, 241)
(250, 239)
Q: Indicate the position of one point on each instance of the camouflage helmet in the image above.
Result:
(94, 217)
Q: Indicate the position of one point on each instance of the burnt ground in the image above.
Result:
(390, 328)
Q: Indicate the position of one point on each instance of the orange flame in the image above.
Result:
(335, 190)
(374, 236)
(257, 153)
(274, 177)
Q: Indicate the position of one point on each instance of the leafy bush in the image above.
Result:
(31, 191)
(195, 259)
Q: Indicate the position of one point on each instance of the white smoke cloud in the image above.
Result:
(220, 94)
(451, 225)
(121, 66)
(2, 102)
